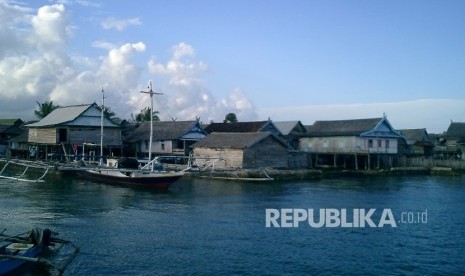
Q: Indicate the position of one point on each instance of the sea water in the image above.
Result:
(207, 227)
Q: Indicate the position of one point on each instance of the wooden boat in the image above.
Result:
(145, 177)
(28, 248)
(132, 177)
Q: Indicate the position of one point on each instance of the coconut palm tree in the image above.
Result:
(44, 109)
(144, 116)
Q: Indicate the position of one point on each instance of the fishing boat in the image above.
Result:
(132, 176)
(29, 248)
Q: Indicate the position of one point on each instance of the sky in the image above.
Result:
(281, 60)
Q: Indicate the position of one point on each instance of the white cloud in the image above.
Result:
(51, 26)
(35, 66)
(103, 45)
(117, 74)
(433, 114)
(188, 94)
(119, 24)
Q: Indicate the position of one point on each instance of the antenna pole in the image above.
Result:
(151, 93)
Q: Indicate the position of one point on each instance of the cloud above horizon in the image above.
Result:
(36, 66)
(120, 24)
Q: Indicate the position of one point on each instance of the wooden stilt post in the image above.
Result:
(369, 161)
(356, 161)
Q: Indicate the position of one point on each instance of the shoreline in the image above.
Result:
(270, 174)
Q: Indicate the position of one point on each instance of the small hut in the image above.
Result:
(248, 150)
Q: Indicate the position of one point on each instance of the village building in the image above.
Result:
(18, 146)
(291, 131)
(360, 143)
(169, 138)
(9, 128)
(75, 130)
(245, 150)
(418, 142)
(455, 140)
(255, 126)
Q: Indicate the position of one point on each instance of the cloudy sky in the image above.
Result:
(285, 60)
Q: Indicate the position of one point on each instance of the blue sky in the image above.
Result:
(288, 60)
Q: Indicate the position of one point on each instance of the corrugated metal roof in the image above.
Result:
(62, 115)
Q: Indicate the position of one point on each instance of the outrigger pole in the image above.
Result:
(151, 93)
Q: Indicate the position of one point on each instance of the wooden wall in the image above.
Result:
(112, 136)
(42, 136)
(267, 153)
(348, 144)
(230, 158)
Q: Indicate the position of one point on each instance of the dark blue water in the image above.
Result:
(203, 227)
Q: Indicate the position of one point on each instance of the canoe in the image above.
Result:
(27, 248)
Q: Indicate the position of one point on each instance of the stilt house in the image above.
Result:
(361, 143)
(72, 129)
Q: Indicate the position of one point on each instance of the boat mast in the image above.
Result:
(151, 93)
(101, 128)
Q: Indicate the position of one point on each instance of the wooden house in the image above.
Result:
(350, 142)
(169, 138)
(18, 146)
(292, 131)
(239, 127)
(73, 128)
(9, 128)
(418, 142)
(247, 150)
(455, 140)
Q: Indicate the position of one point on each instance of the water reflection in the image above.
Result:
(202, 226)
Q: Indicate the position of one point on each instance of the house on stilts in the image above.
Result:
(75, 131)
(353, 144)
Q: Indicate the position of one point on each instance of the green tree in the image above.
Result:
(230, 118)
(144, 116)
(108, 112)
(44, 109)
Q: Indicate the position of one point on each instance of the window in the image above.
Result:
(146, 144)
(379, 143)
(163, 146)
(387, 144)
(62, 135)
(370, 143)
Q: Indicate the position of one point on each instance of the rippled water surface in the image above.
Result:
(203, 227)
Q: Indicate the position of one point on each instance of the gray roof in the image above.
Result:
(415, 135)
(456, 130)
(342, 127)
(166, 130)
(72, 115)
(234, 140)
(254, 126)
(287, 127)
(61, 115)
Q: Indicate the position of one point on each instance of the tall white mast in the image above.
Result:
(101, 128)
(151, 93)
